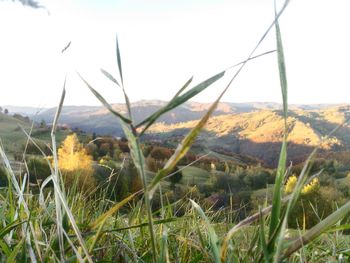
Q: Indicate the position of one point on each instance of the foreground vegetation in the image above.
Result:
(67, 216)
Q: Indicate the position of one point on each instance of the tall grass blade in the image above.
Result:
(139, 161)
(104, 102)
(277, 193)
(60, 199)
(9, 227)
(214, 242)
(164, 254)
(188, 82)
(102, 218)
(56, 176)
(159, 111)
(182, 149)
(176, 101)
(13, 256)
(110, 77)
(127, 101)
(119, 60)
(317, 230)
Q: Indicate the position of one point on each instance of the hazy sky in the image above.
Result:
(163, 43)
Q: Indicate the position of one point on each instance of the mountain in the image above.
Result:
(98, 119)
(251, 129)
(259, 133)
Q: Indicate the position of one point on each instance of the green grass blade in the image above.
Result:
(110, 77)
(317, 230)
(5, 230)
(262, 237)
(139, 161)
(102, 218)
(214, 242)
(157, 116)
(127, 101)
(277, 194)
(182, 98)
(59, 109)
(188, 82)
(104, 102)
(119, 60)
(182, 148)
(15, 252)
(5, 249)
(164, 255)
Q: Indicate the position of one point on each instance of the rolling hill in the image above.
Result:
(249, 129)
(14, 139)
(98, 119)
(259, 133)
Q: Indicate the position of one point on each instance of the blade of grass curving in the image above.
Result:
(119, 60)
(102, 218)
(317, 230)
(182, 148)
(66, 47)
(251, 58)
(262, 237)
(9, 227)
(60, 199)
(4, 248)
(277, 193)
(139, 161)
(176, 101)
(56, 178)
(13, 256)
(164, 254)
(214, 243)
(188, 82)
(104, 102)
(110, 76)
(127, 101)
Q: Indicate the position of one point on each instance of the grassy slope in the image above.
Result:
(11, 135)
(13, 138)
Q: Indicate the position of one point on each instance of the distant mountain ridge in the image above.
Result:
(259, 133)
(249, 129)
(98, 119)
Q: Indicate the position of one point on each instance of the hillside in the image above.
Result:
(11, 134)
(98, 119)
(14, 139)
(258, 134)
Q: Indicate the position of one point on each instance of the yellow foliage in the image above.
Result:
(72, 156)
(291, 182)
(311, 187)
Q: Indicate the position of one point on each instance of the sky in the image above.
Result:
(164, 43)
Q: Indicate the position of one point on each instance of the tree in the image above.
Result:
(75, 163)
(0, 109)
(6, 111)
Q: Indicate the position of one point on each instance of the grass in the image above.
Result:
(60, 225)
